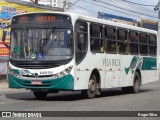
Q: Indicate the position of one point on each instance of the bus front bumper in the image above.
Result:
(63, 83)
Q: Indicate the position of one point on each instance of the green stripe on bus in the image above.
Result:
(63, 83)
(149, 63)
(142, 63)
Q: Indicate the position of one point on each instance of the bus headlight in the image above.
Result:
(68, 70)
(13, 73)
(64, 72)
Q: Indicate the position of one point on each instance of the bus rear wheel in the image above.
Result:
(136, 85)
(40, 95)
(92, 88)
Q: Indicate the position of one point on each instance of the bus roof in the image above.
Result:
(112, 23)
(100, 21)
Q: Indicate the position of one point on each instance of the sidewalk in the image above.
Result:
(3, 84)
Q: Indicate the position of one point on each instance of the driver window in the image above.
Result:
(81, 36)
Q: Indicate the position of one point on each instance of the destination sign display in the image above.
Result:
(40, 18)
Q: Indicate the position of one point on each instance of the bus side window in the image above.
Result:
(134, 42)
(96, 38)
(110, 39)
(152, 45)
(81, 40)
(143, 40)
(122, 41)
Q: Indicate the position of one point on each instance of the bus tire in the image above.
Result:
(40, 95)
(92, 88)
(136, 83)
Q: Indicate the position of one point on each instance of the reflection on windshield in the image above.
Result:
(41, 44)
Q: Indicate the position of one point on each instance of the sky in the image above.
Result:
(117, 7)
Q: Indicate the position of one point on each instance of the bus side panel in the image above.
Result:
(82, 74)
(126, 75)
(81, 80)
(149, 70)
(97, 62)
(84, 70)
(148, 76)
(112, 63)
(146, 65)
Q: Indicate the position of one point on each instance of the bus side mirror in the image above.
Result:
(4, 36)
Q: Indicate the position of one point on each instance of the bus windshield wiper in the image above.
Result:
(46, 39)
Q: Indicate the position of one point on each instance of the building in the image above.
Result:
(53, 3)
(116, 18)
(149, 24)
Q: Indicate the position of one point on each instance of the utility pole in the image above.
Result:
(157, 8)
(67, 5)
(34, 1)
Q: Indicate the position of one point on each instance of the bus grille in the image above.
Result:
(39, 64)
(34, 65)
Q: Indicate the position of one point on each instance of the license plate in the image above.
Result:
(36, 83)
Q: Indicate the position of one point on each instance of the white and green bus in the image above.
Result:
(52, 52)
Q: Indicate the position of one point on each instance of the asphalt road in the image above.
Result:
(110, 100)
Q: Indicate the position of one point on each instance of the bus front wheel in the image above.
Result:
(40, 95)
(92, 88)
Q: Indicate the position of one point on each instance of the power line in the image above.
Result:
(138, 3)
(136, 7)
(105, 7)
(74, 3)
(108, 8)
(122, 8)
(86, 9)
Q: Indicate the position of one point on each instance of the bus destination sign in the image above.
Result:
(40, 19)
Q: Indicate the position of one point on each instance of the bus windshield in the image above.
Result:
(41, 44)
